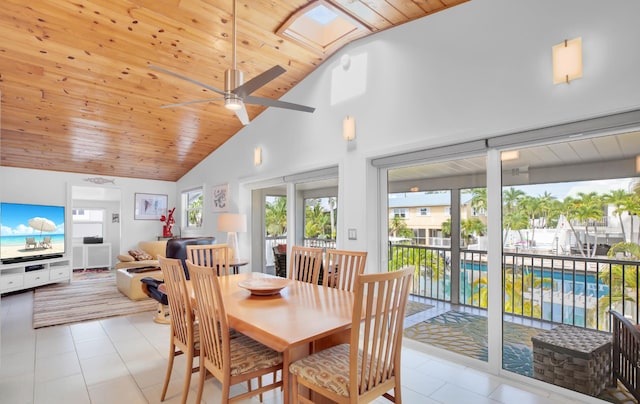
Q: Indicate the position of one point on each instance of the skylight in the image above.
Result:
(322, 27)
(321, 15)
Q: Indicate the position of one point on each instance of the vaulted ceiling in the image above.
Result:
(79, 95)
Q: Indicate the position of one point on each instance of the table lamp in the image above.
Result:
(232, 223)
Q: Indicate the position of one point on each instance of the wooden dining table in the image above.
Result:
(302, 318)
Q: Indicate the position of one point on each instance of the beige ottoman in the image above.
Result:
(128, 281)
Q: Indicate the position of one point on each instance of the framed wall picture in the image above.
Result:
(150, 206)
(221, 198)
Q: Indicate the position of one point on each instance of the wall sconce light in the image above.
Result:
(638, 164)
(257, 156)
(349, 128)
(567, 61)
(510, 155)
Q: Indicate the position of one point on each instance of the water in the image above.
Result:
(17, 241)
(564, 286)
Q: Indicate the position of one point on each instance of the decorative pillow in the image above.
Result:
(140, 255)
(125, 258)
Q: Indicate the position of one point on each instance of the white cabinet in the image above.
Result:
(34, 273)
(87, 256)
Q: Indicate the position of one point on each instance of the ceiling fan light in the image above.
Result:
(233, 104)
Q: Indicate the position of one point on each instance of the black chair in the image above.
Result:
(280, 262)
(176, 248)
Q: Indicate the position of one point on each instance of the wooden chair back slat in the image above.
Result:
(182, 316)
(378, 316)
(210, 255)
(214, 329)
(305, 264)
(341, 268)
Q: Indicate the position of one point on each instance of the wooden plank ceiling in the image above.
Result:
(78, 94)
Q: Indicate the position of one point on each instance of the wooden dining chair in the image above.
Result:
(210, 255)
(342, 267)
(185, 337)
(369, 366)
(305, 263)
(230, 360)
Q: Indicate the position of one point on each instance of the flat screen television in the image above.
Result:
(31, 232)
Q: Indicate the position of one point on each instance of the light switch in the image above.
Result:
(352, 234)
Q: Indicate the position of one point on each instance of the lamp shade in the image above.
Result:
(232, 222)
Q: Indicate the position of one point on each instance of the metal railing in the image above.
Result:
(271, 242)
(559, 289)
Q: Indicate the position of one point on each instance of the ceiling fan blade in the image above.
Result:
(260, 80)
(181, 104)
(190, 80)
(277, 103)
(242, 115)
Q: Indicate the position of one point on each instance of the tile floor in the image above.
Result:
(122, 360)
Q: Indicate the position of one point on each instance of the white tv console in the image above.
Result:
(16, 276)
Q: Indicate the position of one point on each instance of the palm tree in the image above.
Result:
(569, 206)
(472, 226)
(446, 228)
(515, 284)
(547, 202)
(589, 208)
(514, 220)
(622, 280)
(532, 207)
(398, 227)
(276, 217)
(332, 206)
(510, 219)
(195, 211)
(619, 199)
(316, 221)
(510, 198)
(479, 198)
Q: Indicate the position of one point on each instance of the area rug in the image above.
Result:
(83, 300)
(94, 273)
(415, 307)
(466, 334)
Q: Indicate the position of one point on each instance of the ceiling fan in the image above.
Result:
(236, 93)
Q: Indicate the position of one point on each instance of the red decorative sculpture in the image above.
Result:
(168, 223)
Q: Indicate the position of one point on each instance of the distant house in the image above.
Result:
(425, 212)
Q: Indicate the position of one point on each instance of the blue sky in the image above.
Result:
(15, 218)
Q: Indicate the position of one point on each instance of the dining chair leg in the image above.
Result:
(203, 375)
(172, 353)
(294, 387)
(187, 376)
(226, 391)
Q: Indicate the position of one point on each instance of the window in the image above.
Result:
(322, 27)
(447, 210)
(401, 213)
(87, 223)
(192, 202)
(475, 211)
(320, 221)
(424, 211)
(419, 236)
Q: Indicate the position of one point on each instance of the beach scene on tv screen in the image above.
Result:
(31, 230)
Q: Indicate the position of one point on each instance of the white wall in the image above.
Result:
(477, 70)
(54, 187)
